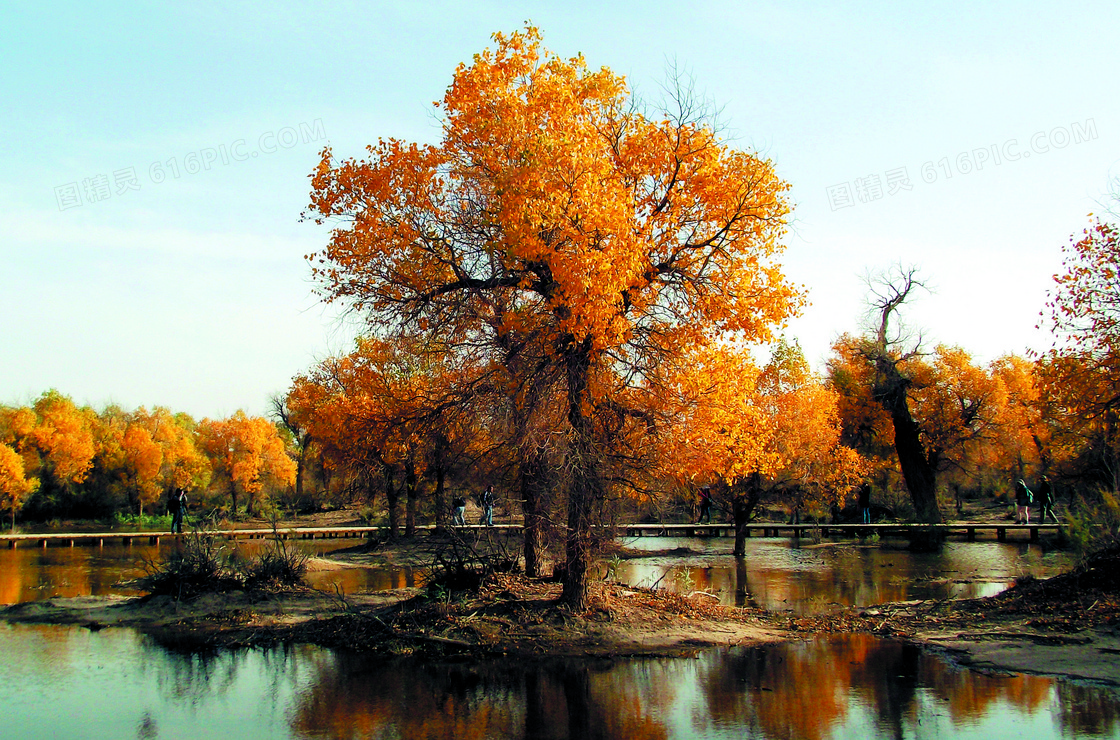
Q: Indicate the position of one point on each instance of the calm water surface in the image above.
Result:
(68, 682)
(777, 573)
(71, 683)
(780, 574)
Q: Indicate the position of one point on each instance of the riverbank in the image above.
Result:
(510, 615)
(1068, 625)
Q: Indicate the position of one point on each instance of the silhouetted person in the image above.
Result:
(459, 511)
(1046, 501)
(177, 506)
(865, 503)
(705, 505)
(487, 501)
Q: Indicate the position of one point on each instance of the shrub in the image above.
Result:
(1094, 526)
(202, 564)
(199, 565)
(279, 567)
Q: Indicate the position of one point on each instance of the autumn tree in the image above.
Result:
(55, 439)
(937, 409)
(14, 485)
(389, 411)
(143, 459)
(248, 455)
(301, 439)
(615, 237)
(1083, 368)
(887, 355)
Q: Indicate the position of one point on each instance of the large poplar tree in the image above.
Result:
(615, 239)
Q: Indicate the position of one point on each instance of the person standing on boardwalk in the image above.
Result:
(177, 507)
(459, 511)
(487, 501)
(1023, 498)
(865, 503)
(1046, 501)
(705, 505)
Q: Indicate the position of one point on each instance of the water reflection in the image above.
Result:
(776, 574)
(69, 682)
(782, 575)
(35, 573)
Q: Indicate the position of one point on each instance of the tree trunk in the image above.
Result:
(391, 500)
(440, 497)
(412, 495)
(741, 508)
(301, 465)
(531, 507)
(920, 476)
(584, 484)
(918, 472)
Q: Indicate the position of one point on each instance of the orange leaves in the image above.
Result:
(14, 485)
(247, 451)
(63, 435)
(548, 183)
(1085, 307)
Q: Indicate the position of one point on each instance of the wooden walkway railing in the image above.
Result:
(764, 529)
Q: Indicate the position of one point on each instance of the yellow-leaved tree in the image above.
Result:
(619, 239)
(14, 485)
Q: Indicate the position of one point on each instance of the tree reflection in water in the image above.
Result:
(70, 682)
(850, 686)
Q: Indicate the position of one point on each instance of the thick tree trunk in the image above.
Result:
(584, 484)
(532, 470)
(741, 507)
(920, 476)
(918, 472)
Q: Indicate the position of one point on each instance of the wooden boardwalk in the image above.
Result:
(967, 530)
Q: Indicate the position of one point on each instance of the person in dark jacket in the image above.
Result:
(705, 505)
(865, 503)
(487, 501)
(177, 507)
(1046, 501)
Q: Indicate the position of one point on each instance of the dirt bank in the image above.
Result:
(510, 615)
(1068, 625)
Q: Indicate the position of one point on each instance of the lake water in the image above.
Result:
(68, 682)
(778, 574)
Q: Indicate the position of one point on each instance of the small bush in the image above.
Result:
(462, 562)
(159, 522)
(199, 565)
(1094, 526)
(279, 567)
(203, 564)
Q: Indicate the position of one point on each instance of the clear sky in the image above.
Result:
(154, 162)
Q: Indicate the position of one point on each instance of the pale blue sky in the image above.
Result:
(192, 292)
